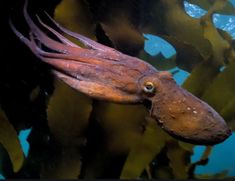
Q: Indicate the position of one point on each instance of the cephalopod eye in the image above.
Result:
(149, 88)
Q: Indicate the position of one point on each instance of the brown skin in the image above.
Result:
(106, 74)
(182, 114)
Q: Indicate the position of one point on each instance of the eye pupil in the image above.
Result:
(149, 87)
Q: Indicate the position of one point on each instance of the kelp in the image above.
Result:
(119, 33)
(179, 160)
(85, 138)
(119, 23)
(187, 56)
(76, 16)
(214, 82)
(201, 77)
(228, 8)
(122, 124)
(224, 83)
(219, 44)
(144, 150)
(68, 122)
(228, 112)
(205, 73)
(64, 164)
(10, 141)
(169, 20)
(179, 25)
(159, 60)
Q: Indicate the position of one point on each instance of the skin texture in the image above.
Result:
(106, 74)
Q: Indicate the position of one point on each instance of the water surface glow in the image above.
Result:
(224, 22)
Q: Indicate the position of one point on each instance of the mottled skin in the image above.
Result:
(106, 74)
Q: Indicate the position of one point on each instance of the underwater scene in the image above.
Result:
(127, 89)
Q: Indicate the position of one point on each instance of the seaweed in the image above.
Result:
(74, 136)
(228, 9)
(9, 140)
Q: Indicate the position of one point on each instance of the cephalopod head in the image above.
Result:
(182, 114)
(106, 74)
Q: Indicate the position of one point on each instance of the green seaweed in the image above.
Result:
(179, 160)
(206, 72)
(220, 93)
(182, 27)
(159, 61)
(122, 124)
(64, 164)
(9, 140)
(201, 77)
(76, 16)
(68, 122)
(144, 150)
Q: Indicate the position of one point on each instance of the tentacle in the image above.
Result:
(58, 35)
(25, 40)
(86, 59)
(44, 39)
(99, 90)
(86, 71)
(86, 68)
(108, 74)
(104, 51)
(83, 55)
(86, 41)
(71, 48)
(19, 35)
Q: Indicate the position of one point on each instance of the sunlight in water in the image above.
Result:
(224, 22)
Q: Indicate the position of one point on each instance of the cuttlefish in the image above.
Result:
(106, 74)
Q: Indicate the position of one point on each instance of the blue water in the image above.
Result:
(156, 45)
(23, 140)
(222, 158)
(23, 135)
(223, 22)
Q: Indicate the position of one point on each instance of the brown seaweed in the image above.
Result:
(10, 142)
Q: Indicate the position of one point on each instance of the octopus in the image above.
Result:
(106, 74)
